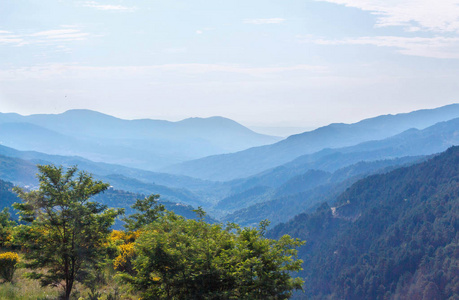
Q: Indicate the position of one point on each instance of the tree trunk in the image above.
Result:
(68, 290)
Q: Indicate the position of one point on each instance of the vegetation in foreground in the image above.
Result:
(67, 245)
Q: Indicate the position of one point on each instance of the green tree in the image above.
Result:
(65, 233)
(178, 258)
(148, 211)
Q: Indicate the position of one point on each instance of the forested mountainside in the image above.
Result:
(304, 192)
(389, 236)
(147, 144)
(255, 160)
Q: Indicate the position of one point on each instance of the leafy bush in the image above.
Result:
(8, 262)
(188, 259)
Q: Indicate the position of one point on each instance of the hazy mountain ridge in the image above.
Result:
(390, 235)
(145, 143)
(281, 205)
(104, 169)
(22, 172)
(255, 160)
(411, 143)
(238, 196)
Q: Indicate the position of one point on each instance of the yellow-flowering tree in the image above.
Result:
(124, 242)
(8, 262)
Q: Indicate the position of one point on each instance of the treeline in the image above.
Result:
(390, 236)
(64, 238)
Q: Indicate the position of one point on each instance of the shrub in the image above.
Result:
(8, 262)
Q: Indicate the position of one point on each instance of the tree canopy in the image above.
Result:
(64, 232)
(176, 258)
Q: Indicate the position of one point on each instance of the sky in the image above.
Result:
(268, 64)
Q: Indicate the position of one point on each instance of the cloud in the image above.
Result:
(96, 5)
(264, 21)
(7, 37)
(413, 15)
(435, 47)
(61, 35)
(64, 34)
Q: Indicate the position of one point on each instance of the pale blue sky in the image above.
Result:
(260, 62)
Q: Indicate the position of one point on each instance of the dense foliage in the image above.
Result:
(390, 236)
(176, 258)
(65, 232)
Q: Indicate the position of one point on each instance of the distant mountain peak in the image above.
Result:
(207, 119)
(86, 113)
(144, 143)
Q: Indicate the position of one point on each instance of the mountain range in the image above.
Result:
(254, 160)
(147, 144)
(277, 193)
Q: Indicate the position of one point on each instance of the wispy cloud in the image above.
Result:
(264, 21)
(7, 37)
(61, 35)
(435, 47)
(111, 7)
(413, 15)
(55, 36)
